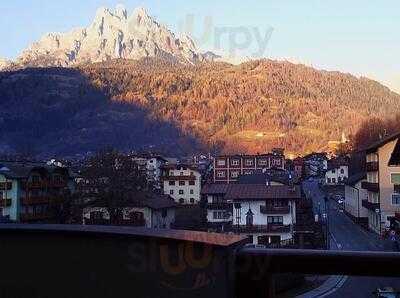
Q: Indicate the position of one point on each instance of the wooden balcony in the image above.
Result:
(5, 185)
(373, 187)
(35, 200)
(58, 184)
(97, 221)
(274, 210)
(36, 216)
(270, 228)
(372, 166)
(219, 206)
(5, 203)
(370, 206)
(35, 184)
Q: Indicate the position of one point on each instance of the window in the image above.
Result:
(221, 174)
(192, 200)
(181, 182)
(164, 213)
(333, 171)
(395, 199)
(234, 174)
(181, 192)
(171, 182)
(263, 162)
(221, 162)
(192, 182)
(342, 171)
(333, 180)
(218, 214)
(278, 220)
(191, 191)
(249, 162)
(171, 192)
(395, 178)
(249, 218)
(181, 201)
(329, 180)
(181, 173)
(235, 162)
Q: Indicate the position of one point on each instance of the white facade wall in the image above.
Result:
(262, 219)
(337, 175)
(183, 194)
(353, 200)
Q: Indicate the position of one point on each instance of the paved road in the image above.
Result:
(347, 235)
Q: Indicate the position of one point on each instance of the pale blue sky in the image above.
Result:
(357, 36)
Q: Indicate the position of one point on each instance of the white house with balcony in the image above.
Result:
(182, 182)
(337, 172)
(264, 213)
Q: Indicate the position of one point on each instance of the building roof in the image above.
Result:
(262, 178)
(214, 189)
(354, 179)
(138, 200)
(262, 192)
(373, 147)
(337, 163)
(20, 170)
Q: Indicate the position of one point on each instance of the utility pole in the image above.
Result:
(327, 222)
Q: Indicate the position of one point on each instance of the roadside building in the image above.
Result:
(31, 192)
(383, 183)
(182, 183)
(228, 168)
(337, 172)
(140, 210)
(265, 213)
(354, 196)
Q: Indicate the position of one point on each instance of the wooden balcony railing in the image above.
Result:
(374, 187)
(270, 228)
(218, 206)
(35, 200)
(372, 166)
(5, 185)
(370, 206)
(5, 202)
(274, 210)
(30, 217)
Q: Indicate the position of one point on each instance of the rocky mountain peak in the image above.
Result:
(112, 34)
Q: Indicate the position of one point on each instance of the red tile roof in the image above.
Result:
(262, 192)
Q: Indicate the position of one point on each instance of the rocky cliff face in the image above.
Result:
(4, 63)
(112, 35)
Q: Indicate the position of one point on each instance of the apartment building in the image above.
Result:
(29, 192)
(354, 196)
(140, 210)
(264, 213)
(182, 183)
(228, 168)
(383, 182)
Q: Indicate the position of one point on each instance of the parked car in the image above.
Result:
(386, 292)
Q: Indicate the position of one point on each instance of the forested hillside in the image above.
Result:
(184, 108)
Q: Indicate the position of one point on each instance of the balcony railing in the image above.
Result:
(161, 263)
(270, 228)
(370, 206)
(374, 187)
(5, 202)
(372, 166)
(29, 217)
(274, 210)
(36, 184)
(35, 200)
(5, 185)
(218, 206)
